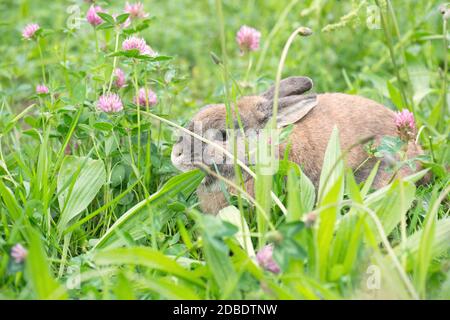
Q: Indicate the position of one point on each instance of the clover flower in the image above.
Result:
(248, 39)
(92, 17)
(120, 80)
(71, 147)
(136, 10)
(146, 96)
(138, 43)
(41, 89)
(19, 253)
(110, 102)
(264, 257)
(310, 219)
(406, 126)
(30, 30)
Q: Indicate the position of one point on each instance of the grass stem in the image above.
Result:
(390, 46)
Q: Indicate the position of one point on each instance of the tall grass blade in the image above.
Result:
(330, 191)
(38, 273)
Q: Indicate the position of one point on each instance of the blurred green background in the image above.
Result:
(351, 57)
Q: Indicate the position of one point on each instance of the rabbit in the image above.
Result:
(313, 117)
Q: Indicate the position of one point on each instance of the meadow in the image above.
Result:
(92, 97)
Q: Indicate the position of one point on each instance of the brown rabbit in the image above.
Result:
(313, 116)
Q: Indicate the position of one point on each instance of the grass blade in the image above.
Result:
(146, 257)
(184, 183)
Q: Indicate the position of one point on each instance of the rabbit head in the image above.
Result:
(249, 116)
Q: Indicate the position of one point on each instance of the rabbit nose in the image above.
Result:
(177, 153)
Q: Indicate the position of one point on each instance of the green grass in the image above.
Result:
(103, 213)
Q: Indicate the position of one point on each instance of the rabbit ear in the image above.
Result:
(290, 109)
(294, 108)
(290, 86)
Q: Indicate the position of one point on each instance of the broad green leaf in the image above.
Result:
(133, 53)
(307, 193)
(391, 202)
(122, 18)
(348, 238)
(232, 215)
(420, 80)
(10, 201)
(416, 176)
(301, 193)
(161, 58)
(79, 181)
(368, 183)
(217, 253)
(395, 95)
(389, 146)
(294, 206)
(118, 174)
(380, 193)
(105, 26)
(289, 251)
(144, 24)
(106, 17)
(352, 188)
(440, 244)
(79, 92)
(104, 126)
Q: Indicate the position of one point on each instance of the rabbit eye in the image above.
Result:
(222, 135)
